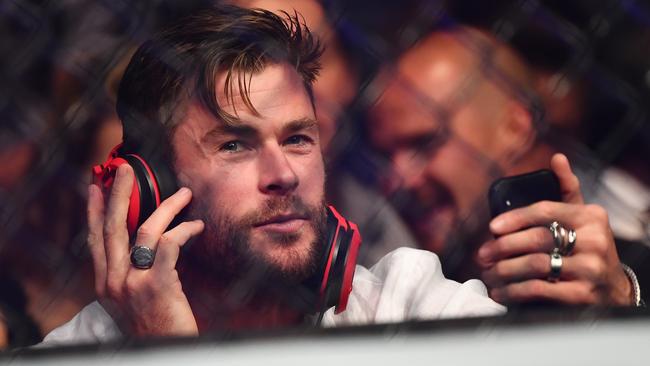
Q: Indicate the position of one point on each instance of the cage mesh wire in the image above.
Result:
(61, 62)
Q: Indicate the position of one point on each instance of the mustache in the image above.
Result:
(276, 206)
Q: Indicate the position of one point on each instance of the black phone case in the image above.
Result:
(517, 191)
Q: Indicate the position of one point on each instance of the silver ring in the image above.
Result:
(142, 257)
(570, 243)
(563, 239)
(556, 267)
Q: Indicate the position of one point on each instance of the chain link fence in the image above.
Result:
(587, 67)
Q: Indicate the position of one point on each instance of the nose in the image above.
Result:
(276, 175)
(407, 172)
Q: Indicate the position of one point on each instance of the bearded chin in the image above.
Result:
(225, 253)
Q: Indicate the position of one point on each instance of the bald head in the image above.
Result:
(449, 65)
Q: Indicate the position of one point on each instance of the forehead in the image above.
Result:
(277, 93)
(421, 90)
(270, 90)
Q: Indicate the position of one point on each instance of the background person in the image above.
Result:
(454, 116)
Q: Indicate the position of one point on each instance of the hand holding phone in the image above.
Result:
(517, 262)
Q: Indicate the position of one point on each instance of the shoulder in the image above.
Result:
(408, 284)
(91, 325)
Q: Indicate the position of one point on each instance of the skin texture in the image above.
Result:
(233, 173)
(449, 129)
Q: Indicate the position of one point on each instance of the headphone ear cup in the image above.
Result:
(146, 198)
(343, 244)
(147, 193)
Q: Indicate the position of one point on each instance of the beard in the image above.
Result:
(227, 252)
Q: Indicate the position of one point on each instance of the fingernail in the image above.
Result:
(121, 171)
(484, 254)
(497, 225)
(183, 191)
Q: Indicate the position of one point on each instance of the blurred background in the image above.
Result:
(578, 70)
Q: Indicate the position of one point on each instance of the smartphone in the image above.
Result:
(522, 190)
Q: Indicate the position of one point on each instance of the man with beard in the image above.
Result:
(457, 113)
(224, 98)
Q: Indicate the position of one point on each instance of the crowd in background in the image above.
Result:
(581, 70)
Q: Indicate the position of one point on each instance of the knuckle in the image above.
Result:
(596, 267)
(535, 289)
(144, 231)
(498, 246)
(93, 238)
(110, 227)
(133, 286)
(587, 293)
(113, 289)
(500, 271)
(601, 244)
(540, 237)
(545, 208)
(573, 183)
(538, 263)
(598, 212)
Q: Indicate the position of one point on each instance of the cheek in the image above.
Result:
(219, 188)
(461, 172)
(311, 175)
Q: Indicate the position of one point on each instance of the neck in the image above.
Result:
(234, 304)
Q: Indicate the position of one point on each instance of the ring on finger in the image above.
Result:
(556, 266)
(142, 257)
(563, 239)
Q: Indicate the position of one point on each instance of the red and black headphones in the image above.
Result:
(154, 182)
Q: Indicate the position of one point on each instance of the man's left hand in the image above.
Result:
(516, 266)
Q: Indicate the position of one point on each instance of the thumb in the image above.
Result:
(569, 183)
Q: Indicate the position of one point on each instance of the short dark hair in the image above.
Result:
(183, 61)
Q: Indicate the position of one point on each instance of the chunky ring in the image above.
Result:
(564, 240)
(556, 266)
(142, 257)
(572, 236)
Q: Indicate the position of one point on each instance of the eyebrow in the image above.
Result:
(240, 128)
(300, 124)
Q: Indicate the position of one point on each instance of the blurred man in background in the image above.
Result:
(457, 112)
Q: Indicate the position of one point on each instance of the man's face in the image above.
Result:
(433, 124)
(257, 183)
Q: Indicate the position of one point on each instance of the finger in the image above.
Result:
(533, 240)
(571, 292)
(170, 243)
(569, 183)
(150, 231)
(95, 214)
(116, 235)
(538, 266)
(538, 214)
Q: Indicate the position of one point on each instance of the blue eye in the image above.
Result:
(298, 140)
(232, 146)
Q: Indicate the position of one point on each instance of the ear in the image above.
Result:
(517, 132)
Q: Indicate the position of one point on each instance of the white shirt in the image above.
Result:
(406, 284)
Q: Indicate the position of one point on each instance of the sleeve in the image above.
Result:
(91, 325)
(408, 284)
